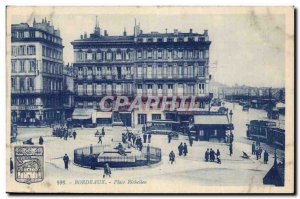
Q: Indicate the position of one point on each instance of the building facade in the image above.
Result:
(36, 73)
(152, 64)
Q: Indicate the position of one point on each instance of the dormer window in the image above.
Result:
(185, 39)
(154, 39)
(144, 39)
(175, 39)
(165, 39)
(196, 38)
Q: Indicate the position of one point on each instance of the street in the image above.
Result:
(191, 169)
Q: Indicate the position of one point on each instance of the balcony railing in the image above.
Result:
(35, 91)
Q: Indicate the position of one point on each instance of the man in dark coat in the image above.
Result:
(185, 150)
(230, 149)
(191, 141)
(145, 137)
(103, 132)
(172, 157)
(41, 140)
(99, 139)
(266, 157)
(180, 148)
(206, 155)
(169, 138)
(149, 138)
(253, 148)
(66, 161)
(74, 134)
(212, 155)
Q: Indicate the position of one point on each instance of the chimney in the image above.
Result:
(105, 33)
(85, 35)
(191, 30)
(81, 36)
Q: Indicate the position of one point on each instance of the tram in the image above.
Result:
(266, 131)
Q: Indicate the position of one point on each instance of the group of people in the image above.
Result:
(257, 150)
(211, 155)
(132, 140)
(100, 135)
(61, 132)
(182, 149)
(147, 136)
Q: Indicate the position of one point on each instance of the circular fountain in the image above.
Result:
(117, 156)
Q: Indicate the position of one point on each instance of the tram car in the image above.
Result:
(267, 132)
(163, 127)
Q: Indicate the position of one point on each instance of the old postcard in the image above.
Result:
(150, 100)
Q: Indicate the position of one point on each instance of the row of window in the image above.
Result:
(36, 34)
(141, 88)
(50, 84)
(150, 71)
(23, 50)
(23, 101)
(52, 67)
(23, 66)
(172, 39)
(52, 53)
(22, 83)
(140, 54)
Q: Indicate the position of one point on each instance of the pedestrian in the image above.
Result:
(11, 167)
(99, 139)
(149, 138)
(257, 153)
(185, 150)
(91, 149)
(107, 170)
(206, 155)
(253, 148)
(218, 154)
(180, 148)
(230, 149)
(74, 134)
(41, 140)
(133, 139)
(93, 161)
(103, 132)
(231, 137)
(145, 137)
(172, 157)
(65, 135)
(212, 155)
(66, 161)
(266, 157)
(260, 152)
(169, 138)
(191, 141)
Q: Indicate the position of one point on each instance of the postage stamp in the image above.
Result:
(150, 99)
(29, 164)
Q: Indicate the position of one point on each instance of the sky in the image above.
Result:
(245, 50)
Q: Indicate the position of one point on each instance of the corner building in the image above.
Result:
(36, 73)
(152, 64)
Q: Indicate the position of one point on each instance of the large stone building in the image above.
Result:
(152, 64)
(36, 73)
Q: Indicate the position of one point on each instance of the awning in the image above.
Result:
(82, 114)
(211, 120)
(103, 114)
